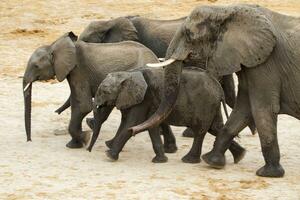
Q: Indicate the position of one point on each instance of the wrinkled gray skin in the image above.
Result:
(154, 34)
(137, 94)
(84, 65)
(262, 47)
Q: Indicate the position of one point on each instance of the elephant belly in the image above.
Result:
(193, 117)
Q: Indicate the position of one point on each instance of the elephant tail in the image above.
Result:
(66, 105)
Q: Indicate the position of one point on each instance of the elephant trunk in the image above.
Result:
(27, 91)
(96, 127)
(171, 89)
(177, 52)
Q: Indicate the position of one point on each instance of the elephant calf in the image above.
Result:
(137, 94)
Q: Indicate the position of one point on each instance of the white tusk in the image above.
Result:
(26, 87)
(161, 59)
(162, 64)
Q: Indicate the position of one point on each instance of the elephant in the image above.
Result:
(84, 65)
(136, 94)
(262, 48)
(154, 34)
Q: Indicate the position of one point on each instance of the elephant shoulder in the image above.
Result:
(153, 77)
(201, 81)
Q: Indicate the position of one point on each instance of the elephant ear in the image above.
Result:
(132, 92)
(64, 55)
(246, 37)
(121, 29)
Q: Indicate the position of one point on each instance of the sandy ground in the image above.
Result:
(46, 169)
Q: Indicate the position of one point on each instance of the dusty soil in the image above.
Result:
(46, 169)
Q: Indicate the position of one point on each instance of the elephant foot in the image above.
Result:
(188, 133)
(214, 160)
(160, 159)
(238, 153)
(109, 143)
(90, 122)
(188, 158)
(113, 156)
(170, 148)
(74, 144)
(271, 171)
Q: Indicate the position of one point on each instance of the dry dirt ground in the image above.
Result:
(46, 169)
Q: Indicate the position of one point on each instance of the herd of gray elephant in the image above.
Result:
(116, 63)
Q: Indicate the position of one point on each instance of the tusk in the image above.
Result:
(26, 87)
(161, 59)
(162, 64)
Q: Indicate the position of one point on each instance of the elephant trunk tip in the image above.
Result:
(89, 149)
(29, 140)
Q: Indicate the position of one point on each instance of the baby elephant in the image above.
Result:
(137, 94)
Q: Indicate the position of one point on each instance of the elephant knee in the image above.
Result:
(227, 131)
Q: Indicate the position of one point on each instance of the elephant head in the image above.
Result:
(121, 89)
(225, 38)
(116, 30)
(47, 62)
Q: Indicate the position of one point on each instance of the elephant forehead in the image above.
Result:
(111, 79)
(39, 53)
(209, 12)
(97, 24)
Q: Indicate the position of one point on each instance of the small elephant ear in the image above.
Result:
(64, 55)
(248, 39)
(132, 92)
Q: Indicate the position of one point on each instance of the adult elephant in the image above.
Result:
(262, 47)
(84, 65)
(154, 34)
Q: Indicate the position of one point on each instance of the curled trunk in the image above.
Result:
(171, 88)
(27, 91)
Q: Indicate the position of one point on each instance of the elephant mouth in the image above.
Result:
(103, 103)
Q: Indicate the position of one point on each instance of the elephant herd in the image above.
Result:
(116, 63)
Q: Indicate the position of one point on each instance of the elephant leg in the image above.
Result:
(227, 84)
(188, 132)
(157, 146)
(193, 156)
(133, 116)
(75, 129)
(90, 122)
(237, 151)
(121, 127)
(169, 139)
(229, 92)
(266, 122)
(265, 106)
(118, 144)
(100, 117)
(238, 120)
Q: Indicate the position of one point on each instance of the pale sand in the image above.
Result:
(46, 169)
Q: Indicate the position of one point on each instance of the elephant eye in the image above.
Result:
(36, 66)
